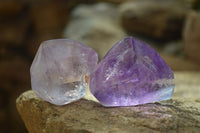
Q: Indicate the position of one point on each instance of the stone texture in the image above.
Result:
(88, 116)
(192, 36)
(161, 20)
(60, 70)
(131, 73)
(96, 26)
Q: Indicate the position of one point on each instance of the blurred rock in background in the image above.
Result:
(158, 19)
(192, 36)
(97, 23)
(96, 26)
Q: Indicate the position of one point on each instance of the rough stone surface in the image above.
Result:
(192, 36)
(153, 18)
(96, 26)
(88, 116)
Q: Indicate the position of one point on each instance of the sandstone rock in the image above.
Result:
(95, 25)
(180, 114)
(192, 36)
(157, 19)
(87, 116)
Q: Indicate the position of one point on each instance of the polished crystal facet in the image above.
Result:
(131, 73)
(60, 70)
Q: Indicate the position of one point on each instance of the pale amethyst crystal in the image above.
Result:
(60, 69)
(131, 73)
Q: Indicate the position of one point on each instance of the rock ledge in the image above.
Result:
(87, 116)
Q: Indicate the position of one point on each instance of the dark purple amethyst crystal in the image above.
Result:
(131, 73)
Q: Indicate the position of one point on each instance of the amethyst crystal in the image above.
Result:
(60, 69)
(131, 73)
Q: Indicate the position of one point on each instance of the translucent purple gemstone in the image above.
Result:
(60, 69)
(131, 73)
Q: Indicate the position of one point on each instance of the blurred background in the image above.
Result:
(172, 27)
